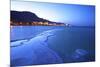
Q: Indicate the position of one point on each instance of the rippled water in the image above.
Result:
(72, 44)
(24, 32)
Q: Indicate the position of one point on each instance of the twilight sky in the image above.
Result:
(81, 15)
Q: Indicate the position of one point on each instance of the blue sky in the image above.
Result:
(81, 15)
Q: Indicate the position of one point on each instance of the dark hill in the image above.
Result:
(25, 16)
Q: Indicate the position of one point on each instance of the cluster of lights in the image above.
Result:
(38, 23)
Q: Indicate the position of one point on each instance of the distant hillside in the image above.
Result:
(29, 18)
(25, 16)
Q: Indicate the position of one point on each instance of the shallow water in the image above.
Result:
(72, 44)
(24, 32)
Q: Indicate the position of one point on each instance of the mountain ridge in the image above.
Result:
(29, 18)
